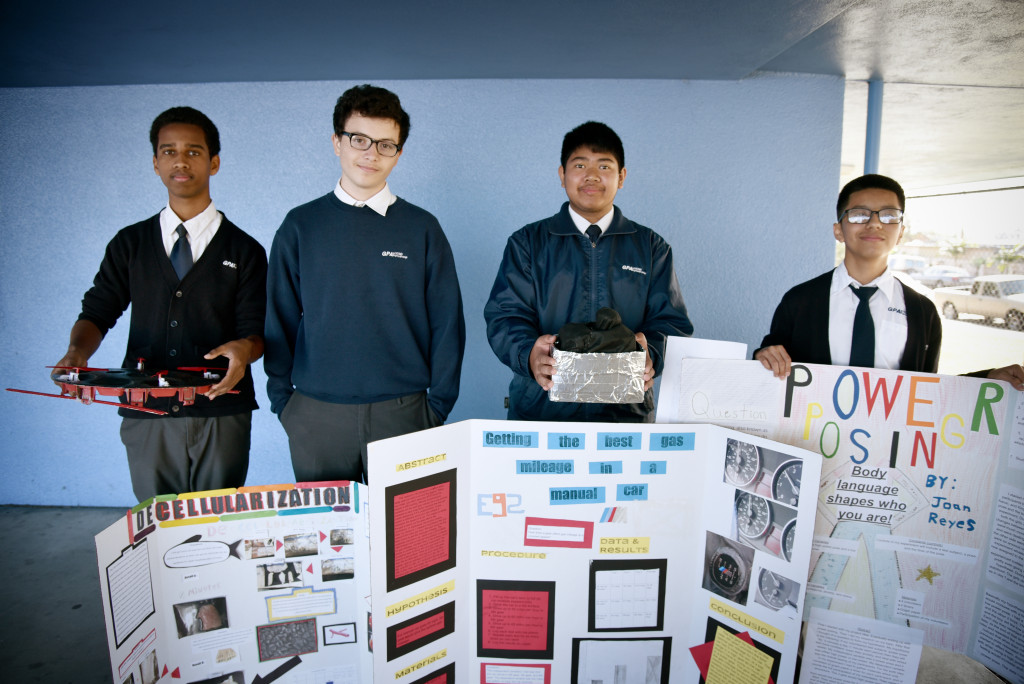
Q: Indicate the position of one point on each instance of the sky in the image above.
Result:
(976, 212)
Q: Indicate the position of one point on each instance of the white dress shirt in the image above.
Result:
(379, 202)
(888, 311)
(201, 229)
(583, 223)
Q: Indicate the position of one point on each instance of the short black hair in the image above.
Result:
(869, 182)
(595, 136)
(373, 102)
(186, 115)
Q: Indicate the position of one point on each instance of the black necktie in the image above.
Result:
(594, 232)
(181, 252)
(862, 348)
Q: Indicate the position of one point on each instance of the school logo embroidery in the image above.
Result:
(634, 269)
(229, 264)
(901, 312)
(395, 255)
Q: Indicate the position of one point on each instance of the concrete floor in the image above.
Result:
(53, 628)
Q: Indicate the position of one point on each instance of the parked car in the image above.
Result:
(992, 296)
(911, 281)
(944, 276)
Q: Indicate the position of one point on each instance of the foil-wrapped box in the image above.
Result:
(600, 378)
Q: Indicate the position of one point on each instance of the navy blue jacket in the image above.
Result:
(550, 275)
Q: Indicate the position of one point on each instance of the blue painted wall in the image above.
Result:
(739, 176)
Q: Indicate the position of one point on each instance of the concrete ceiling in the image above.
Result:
(954, 69)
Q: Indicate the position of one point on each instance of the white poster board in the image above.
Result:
(921, 494)
(255, 585)
(546, 553)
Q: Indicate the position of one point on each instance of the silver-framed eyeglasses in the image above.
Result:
(861, 216)
(363, 142)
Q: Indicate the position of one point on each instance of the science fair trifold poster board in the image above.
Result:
(921, 496)
(547, 553)
(247, 586)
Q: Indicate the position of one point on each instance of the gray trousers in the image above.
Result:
(178, 455)
(328, 441)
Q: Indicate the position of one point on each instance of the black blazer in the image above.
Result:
(800, 325)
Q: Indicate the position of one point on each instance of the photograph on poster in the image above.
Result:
(342, 537)
(342, 633)
(285, 639)
(628, 660)
(727, 568)
(515, 619)
(627, 595)
(777, 592)
(233, 678)
(149, 668)
(259, 548)
(280, 575)
(761, 523)
(786, 481)
(304, 544)
(421, 630)
(763, 471)
(420, 523)
(333, 569)
(196, 617)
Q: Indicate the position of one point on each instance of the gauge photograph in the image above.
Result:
(763, 471)
(727, 568)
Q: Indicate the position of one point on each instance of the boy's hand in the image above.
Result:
(649, 363)
(1013, 374)
(542, 363)
(776, 359)
(239, 353)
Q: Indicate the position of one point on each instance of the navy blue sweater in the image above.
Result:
(363, 307)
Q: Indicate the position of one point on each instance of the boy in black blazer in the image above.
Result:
(815, 321)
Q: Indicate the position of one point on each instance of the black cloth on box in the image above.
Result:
(607, 334)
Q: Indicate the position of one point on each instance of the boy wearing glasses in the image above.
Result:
(365, 332)
(564, 268)
(859, 314)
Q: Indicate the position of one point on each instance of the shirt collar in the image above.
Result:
(582, 224)
(196, 226)
(379, 202)
(885, 282)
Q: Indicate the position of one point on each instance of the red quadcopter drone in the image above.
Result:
(134, 385)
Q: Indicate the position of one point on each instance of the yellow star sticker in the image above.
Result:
(927, 574)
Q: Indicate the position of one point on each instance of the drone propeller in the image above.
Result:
(94, 401)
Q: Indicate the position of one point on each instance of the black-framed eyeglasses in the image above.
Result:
(861, 216)
(363, 142)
